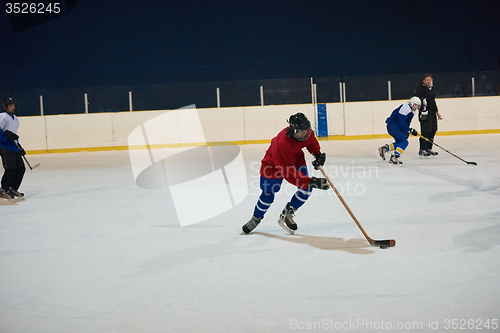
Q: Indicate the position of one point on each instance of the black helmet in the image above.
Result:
(299, 121)
(8, 101)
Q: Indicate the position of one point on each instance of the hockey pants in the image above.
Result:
(270, 187)
(14, 169)
(400, 137)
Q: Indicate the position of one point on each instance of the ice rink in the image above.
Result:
(90, 251)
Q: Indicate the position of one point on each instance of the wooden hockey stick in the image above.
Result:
(423, 137)
(383, 244)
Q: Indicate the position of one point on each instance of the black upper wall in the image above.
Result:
(128, 42)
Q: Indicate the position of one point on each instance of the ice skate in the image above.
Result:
(5, 195)
(250, 225)
(433, 153)
(382, 151)
(286, 219)
(15, 193)
(424, 153)
(395, 160)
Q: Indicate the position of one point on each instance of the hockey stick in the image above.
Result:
(383, 244)
(25, 159)
(423, 137)
(31, 168)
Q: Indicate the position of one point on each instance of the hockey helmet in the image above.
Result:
(7, 101)
(414, 100)
(298, 122)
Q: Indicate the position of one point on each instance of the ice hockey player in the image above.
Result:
(10, 151)
(427, 115)
(398, 126)
(284, 159)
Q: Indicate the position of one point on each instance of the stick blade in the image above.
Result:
(35, 166)
(384, 244)
(473, 163)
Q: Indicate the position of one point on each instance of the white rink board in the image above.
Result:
(247, 123)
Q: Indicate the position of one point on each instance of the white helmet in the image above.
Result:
(414, 100)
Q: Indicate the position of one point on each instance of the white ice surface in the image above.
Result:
(90, 251)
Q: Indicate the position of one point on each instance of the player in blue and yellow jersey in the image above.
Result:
(398, 126)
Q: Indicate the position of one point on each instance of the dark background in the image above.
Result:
(106, 47)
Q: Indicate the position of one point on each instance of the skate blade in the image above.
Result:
(382, 158)
(284, 226)
(11, 201)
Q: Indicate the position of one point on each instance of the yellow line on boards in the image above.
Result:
(240, 143)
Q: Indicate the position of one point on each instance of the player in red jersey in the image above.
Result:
(284, 159)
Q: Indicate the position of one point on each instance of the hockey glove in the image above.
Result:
(319, 161)
(319, 183)
(413, 132)
(11, 135)
(22, 152)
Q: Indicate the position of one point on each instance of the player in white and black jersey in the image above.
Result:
(428, 115)
(10, 151)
